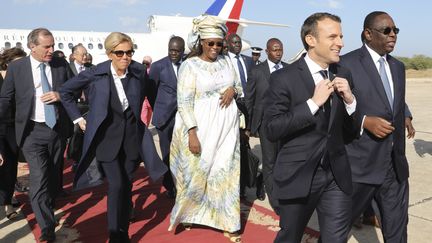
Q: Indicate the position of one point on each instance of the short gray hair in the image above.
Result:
(33, 36)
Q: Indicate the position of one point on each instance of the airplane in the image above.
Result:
(153, 44)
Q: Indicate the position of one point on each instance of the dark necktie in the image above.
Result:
(326, 107)
(325, 163)
(385, 81)
(241, 72)
(276, 67)
(50, 115)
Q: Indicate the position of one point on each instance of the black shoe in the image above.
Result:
(260, 192)
(47, 236)
(62, 193)
(119, 237)
(15, 203)
(171, 193)
(20, 188)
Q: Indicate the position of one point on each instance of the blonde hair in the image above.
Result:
(114, 39)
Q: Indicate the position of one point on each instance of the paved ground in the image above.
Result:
(419, 153)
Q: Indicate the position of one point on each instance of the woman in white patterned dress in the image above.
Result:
(205, 147)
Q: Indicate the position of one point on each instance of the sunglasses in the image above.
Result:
(212, 43)
(128, 53)
(387, 30)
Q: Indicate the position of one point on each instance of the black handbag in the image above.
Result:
(249, 165)
(75, 144)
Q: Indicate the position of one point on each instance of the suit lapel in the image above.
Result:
(27, 81)
(306, 76)
(397, 83)
(371, 70)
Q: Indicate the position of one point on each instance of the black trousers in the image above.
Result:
(333, 207)
(392, 200)
(269, 152)
(42, 149)
(8, 171)
(119, 174)
(165, 137)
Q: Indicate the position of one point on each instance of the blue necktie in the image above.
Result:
(385, 81)
(50, 115)
(276, 67)
(241, 72)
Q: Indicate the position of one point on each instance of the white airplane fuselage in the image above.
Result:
(153, 44)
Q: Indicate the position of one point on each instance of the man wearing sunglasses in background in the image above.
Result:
(378, 162)
(163, 74)
(242, 65)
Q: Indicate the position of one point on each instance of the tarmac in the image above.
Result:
(418, 152)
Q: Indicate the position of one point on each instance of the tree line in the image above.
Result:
(417, 62)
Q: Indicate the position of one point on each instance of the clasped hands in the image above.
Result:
(325, 88)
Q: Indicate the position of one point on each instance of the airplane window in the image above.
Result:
(19, 45)
(90, 46)
(7, 45)
(70, 45)
(60, 46)
(135, 46)
(100, 46)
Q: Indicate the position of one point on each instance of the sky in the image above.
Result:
(131, 16)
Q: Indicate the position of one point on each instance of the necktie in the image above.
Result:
(81, 68)
(50, 116)
(241, 72)
(276, 67)
(326, 107)
(385, 81)
(325, 163)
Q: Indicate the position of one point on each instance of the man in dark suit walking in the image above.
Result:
(258, 82)
(310, 112)
(242, 65)
(164, 75)
(378, 162)
(41, 123)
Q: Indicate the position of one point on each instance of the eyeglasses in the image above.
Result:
(387, 30)
(128, 53)
(212, 43)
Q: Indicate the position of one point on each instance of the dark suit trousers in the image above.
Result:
(392, 200)
(8, 171)
(333, 207)
(41, 148)
(119, 174)
(269, 152)
(165, 137)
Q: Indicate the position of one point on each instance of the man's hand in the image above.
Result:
(323, 89)
(50, 97)
(227, 97)
(82, 124)
(194, 143)
(409, 127)
(342, 87)
(1, 159)
(377, 126)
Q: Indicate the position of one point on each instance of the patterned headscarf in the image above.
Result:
(205, 27)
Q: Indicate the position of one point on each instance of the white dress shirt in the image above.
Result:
(233, 58)
(272, 65)
(79, 67)
(119, 87)
(315, 69)
(38, 113)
